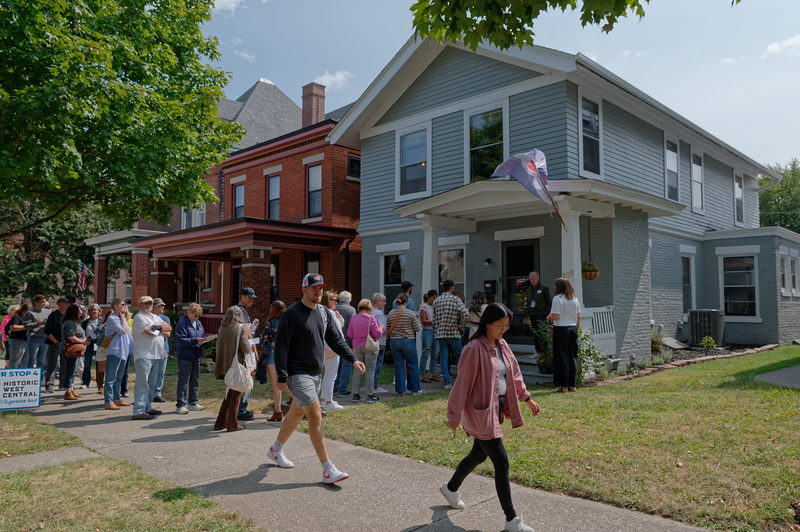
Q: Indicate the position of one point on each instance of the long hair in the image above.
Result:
(106, 314)
(23, 309)
(233, 316)
(563, 286)
(493, 312)
(429, 294)
(401, 298)
(276, 310)
(478, 300)
(73, 313)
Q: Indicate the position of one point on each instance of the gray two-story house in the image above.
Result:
(667, 211)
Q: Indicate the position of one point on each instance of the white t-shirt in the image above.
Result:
(568, 309)
(429, 313)
(147, 344)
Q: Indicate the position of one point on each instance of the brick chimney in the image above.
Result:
(313, 104)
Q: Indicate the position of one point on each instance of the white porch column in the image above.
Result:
(430, 258)
(571, 249)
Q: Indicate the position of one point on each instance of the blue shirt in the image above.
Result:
(186, 339)
(122, 343)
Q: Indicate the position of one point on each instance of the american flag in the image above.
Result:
(82, 277)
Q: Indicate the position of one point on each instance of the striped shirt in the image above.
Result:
(407, 325)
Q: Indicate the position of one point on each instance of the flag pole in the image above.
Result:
(553, 203)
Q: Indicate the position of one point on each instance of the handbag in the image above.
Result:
(72, 350)
(372, 344)
(238, 376)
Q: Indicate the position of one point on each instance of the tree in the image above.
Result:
(107, 102)
(507, 23)
(780, 205)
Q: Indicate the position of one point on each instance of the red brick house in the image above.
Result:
(288, 205)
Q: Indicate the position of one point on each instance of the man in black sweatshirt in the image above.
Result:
(303, 332)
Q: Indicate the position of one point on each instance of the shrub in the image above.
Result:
(656, 338)
(664, 356)
(708, 343)
(545, 340)
(602, 372)
(590, 356)
(645, 363)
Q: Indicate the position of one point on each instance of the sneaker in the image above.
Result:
(330, 407)
(333, 475)
(356, 398)
(195, 407)
(453, 498)
(380, 390)
(83, 386)
(146, 417)
(373, 399)
(49, 389)
(280, 458)
(154, 412)
(420, 392)
(448, 386)
(126, 394)
(345, 394)
(181, 410)
(517, 525)
(159, 399)
(247, 416)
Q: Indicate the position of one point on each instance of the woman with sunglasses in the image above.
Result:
(118, 329)
(483, 396)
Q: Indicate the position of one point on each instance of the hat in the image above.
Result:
(313, 279)
(145, 299)
(158, 302)
(249, 292)
(406, 285)
(62, 300)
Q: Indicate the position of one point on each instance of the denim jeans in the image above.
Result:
(37, 352)
(115, 369)
(244, 401)
(342, 377)
(188, 375)
(162, 369)
(69, 371)
(53, 352)
(124, 383)
(379, 364)
(445, 346)
(88, 355)
(145, 386)
(404, 352)
(430, 348)
(19, 353)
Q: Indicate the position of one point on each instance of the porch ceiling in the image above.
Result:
(506, 198)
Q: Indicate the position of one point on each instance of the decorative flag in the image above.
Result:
(82, 277)
(530, 169)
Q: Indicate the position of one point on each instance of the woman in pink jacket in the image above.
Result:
(483, 395)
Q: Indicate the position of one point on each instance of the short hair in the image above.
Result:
(116, 302)
(12, 309)
(195, 308)
(364, 304)
(377, 296)
(447, 284)
(72, 298)
(93, 305)
(233, 316)
(38, 298)
(534, 272)
(345, 296)
(327, 296)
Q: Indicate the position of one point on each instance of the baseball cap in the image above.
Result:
(313, 279)
(145, 299)
(249, 292)
(406, 285)
(158, 302)
(62, 300)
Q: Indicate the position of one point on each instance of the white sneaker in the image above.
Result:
(280, 458)
(181, 410)
(420, 392)
(517, 525)
(333, 475)
(83, 386)
(453, 498)
(380, 390)
(330, 407)
(195, 408)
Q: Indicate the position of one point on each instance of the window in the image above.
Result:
(315, 191)
(312, 262)
(739, 286)
(485, 143)
(687, 274)
(207, 276)
(414, 177)
(451, 266)
(394, 273)
(238, 201)
(274, 199)
(193, 217)
(794, 275)
(273, 277)
(697, 183)
(738, 199)
(111, 291)
(590, 136)
(354, 167)
(127, 291)
(672, 170)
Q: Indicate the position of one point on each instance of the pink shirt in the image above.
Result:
(6, 319)
(474, 400)
(357, 329)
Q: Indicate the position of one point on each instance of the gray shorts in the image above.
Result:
(304, 388)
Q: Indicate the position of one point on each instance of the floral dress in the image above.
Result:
(267, 353)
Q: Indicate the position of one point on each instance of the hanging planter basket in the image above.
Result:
(589, 269)
(590, 275)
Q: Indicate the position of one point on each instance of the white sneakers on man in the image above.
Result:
(453, 498)
(195, 407)
(517, 525)
(280, 458)
(181, 410)
(330, 407)
(333, 475)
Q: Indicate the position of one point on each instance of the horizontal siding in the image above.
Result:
(377, 183)
(633, 151)
(447, 152)
(453, 76)
(573, 165)
(538, 119)
(718, 197)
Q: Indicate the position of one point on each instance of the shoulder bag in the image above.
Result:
(72, 350)
(238, 377)
(399, 315)
(372, 344)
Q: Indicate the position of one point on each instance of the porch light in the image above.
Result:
(487, 262)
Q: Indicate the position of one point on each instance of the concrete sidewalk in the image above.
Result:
(789, 377)
(384, 492)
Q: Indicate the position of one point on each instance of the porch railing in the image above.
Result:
(601, 321)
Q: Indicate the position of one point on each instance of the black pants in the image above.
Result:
(496, 452)
(565, 356)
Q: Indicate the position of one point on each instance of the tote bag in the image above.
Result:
(238, 376)
(372, 344)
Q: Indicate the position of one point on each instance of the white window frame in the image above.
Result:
(269, 179)
(466, 280)
(314, 216)
(583, 94)
(469, 113)
(398, 135)
(677, 143)
(784, 274)
(198, 217)
(692, 272)
(244, 199)
(738, 175)
(739, 251)
(700, 154)
(111, 290)
(398, 248)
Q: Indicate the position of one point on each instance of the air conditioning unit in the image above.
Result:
(706, 322)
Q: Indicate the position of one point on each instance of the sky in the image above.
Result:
(733, 71)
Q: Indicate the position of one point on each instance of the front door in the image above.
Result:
(191, 281)
(519, 259)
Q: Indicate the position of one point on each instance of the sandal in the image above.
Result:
(111, 406)
(427, 381)
(434, 378)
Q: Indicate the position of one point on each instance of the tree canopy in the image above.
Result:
(780, 205)
(109, 103)
(507, 23)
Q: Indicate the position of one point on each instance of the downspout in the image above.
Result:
(221, 188)
(347, 264)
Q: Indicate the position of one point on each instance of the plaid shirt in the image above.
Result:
(448, 312)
